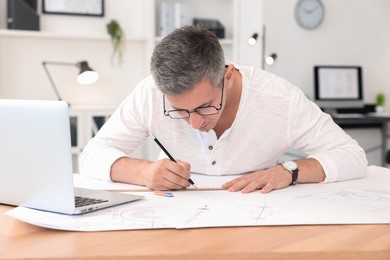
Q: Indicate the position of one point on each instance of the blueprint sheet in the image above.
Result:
(360, 201)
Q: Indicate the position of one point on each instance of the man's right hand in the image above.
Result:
(160, 175)
(167, 175)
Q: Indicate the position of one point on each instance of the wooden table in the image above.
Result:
(19, 240)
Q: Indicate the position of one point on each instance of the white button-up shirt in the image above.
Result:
(273, 117)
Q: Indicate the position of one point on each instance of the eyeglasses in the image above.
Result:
(203, 111)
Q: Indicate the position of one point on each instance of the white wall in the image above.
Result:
(352, 33)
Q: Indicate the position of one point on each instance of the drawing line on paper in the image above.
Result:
(262, 208)
(252, 214)
(197, 213)
(259, 213)
(142, 216)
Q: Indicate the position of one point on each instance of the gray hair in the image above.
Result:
(185, 57)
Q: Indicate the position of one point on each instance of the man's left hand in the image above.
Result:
(267, 180)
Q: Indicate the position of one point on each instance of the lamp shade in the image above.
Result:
(271, 59)
(87, 75)
(253, 39)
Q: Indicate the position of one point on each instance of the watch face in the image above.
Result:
(290, 165)
(309, 13)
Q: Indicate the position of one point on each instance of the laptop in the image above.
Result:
(36, 160)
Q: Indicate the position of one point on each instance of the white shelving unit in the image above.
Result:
(85, 122)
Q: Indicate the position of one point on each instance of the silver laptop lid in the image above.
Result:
(35, 155)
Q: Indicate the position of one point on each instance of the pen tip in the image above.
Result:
(193, 185)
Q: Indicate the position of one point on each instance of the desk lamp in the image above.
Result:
(253, 39)
(269, 60)
(86, 76)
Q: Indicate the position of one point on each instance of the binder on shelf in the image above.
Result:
(183, 15)
(173, 16)
(166, 18)
(213, 25)
(22, 15)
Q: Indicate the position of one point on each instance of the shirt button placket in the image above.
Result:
(211, 148)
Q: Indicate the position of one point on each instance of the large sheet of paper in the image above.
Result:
(358, 201)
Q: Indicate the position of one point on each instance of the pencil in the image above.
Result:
(170, 156)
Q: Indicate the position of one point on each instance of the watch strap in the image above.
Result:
(294, 173)
(294, 176)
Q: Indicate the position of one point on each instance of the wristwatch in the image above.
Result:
(292, 167)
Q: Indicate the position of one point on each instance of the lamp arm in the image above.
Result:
(82, 65)
(51, 79)
(62, 63)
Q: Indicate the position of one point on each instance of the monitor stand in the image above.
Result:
(330, 111)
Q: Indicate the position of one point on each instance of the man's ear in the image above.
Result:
(229, 73)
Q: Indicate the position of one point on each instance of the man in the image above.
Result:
(217, 118)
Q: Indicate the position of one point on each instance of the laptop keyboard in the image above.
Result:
(85, 201)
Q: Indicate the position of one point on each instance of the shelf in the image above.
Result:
(92, 108)
(226, 41)
(222, 41)
(48, 35)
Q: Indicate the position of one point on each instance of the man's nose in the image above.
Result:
(196, 120)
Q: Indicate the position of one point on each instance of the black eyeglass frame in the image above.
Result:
(196, 110)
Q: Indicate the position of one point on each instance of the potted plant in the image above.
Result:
(380, 103)
(118, 41)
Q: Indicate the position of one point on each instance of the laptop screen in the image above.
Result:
(35, 152)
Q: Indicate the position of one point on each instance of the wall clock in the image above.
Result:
(309, 14)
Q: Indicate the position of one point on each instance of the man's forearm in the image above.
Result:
(310, 170)
(129, 170)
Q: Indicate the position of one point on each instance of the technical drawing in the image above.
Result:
(146, 217)
(358, 194)
(256, 214)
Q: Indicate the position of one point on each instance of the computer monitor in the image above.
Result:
(338, 87)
